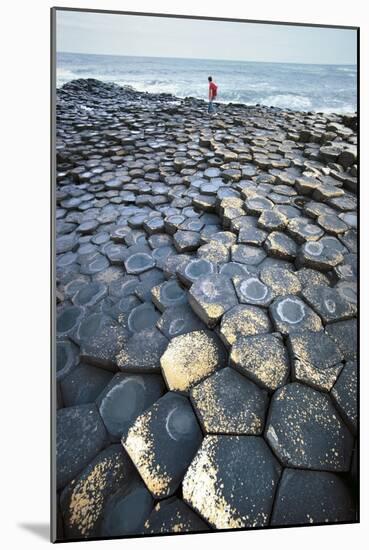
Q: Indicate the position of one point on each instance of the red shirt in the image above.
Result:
(212, 90)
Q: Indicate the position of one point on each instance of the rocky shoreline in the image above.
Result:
(206, 314)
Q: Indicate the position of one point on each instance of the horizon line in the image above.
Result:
(205, 59)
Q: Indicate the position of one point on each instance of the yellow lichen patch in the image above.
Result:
(214, 397)
(280, 281)
(243, 321)
(188, 359)
(140, 447)
(263, 358)
(88, 497)
(202, 488)
(322, 379)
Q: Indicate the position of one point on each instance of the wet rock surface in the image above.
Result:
(212, 262)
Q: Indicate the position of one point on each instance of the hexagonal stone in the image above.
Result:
(344, 394)
(172, 223)
(142, 317)
(228, 403)
(318, 255)
(154, 225)
(214, 252)
(194, 269)
(67, 358)
(243, 321)
(308, 277)
(126, 511)
(210, 297)
(279, 245)
(125, 398)
(84, 384)
(94, 264)
(88, 226)
(162, 442)
(136, 357)
(252, 236)
(186, 241)
(305, 431)
(66, 243)
(179, 320)
(191, 357)
(316, 359)
(89, 294)
(250, 290)
(139, 262)
(344, 333)
(262, 358)
(227, 238)
(289, 313)
(100, 339)
(272, 221)
(332, 224)
(305, 497)
(68, 319)
(168, 294)
(231, 481)
(80, 435)
(301, 229)
(83, 502)
(330, 304)
(172, 515)
(257, 205)
(280, 281)
(246, 254)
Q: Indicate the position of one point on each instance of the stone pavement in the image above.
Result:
(206, 273)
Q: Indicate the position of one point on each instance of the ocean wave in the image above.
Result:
(288, 101)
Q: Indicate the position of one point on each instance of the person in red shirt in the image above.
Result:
(212, 94)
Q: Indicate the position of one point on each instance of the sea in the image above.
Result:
(302, 87)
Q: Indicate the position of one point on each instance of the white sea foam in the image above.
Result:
(288, 101)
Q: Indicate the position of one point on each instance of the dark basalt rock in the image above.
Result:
(166, 220)
(317, 255)
(280, 281)
(142, 317)
(330, 304)
(228, 403)
(243, 321)
(251, 290)
(125, 398)
(344, 394)
(262, 358)
(238, 470)
(84, 384)
(281, 246)
(315, 358)
(305, 431)
(89, 294)
(191, 357)
(168, 436)
(305, 497)
(80, 435)
(211, 296)
(245, 254)
(126, 511)
(84, 500)
(139, 262)
(179, 320)
(168, 294)
(195, 269)
(289, 313)
(344, 333)
(66, 358)
(172, 515)
(100, 339)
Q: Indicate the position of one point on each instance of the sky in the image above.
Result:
(115, 34)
